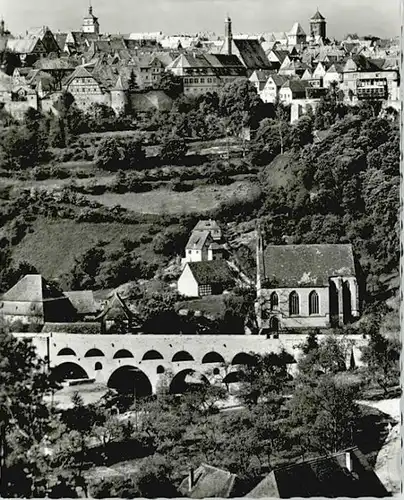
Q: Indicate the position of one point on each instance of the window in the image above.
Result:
(293, 303)
(313, 303)
(274, 301)
(205, 290)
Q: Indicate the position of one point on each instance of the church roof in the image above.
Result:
(307, 265)
(317, 17)
(251, 53)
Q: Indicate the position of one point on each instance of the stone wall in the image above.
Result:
(197, 346)
(150, 100)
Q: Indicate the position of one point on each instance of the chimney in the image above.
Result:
(348, 461)
(191, 479)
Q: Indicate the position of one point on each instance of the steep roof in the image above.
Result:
(297, 30)
(278, 80)
(210, 482)
(317, 17)
(307, 265)
(32, 288)
(251, 53)
(324, 476)
(211, 272)
(25, 45)
(198, 239)
(83, 301)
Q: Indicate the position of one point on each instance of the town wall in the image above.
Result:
(150, 100)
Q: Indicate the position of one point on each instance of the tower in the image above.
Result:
(228, 36)
(119, 99)
(90, 22)
(2, 27)
(318, 26)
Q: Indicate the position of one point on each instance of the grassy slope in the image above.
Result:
(160, 201)
(52, 246)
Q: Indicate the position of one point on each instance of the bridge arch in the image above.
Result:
(69, 371)
(130, 380)
(234, 377)
(123, 353)
(66, 351)
(213, 357)
(182, 356)
(152, 354)
(94, 353)
(242, 358)
(187, 380)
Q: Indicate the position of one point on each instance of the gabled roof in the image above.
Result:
(317, 17)
(297, 30)
(281, 55)
(211, 272)
(198, 240)
(33, 288)
(307, 265)
(251, 53)
(83, 301)
(261, 75)
(79, 72)
(25, 45)
(278, 80)
(116, 308)
(207, 225)
(323, 477)
(210, 482)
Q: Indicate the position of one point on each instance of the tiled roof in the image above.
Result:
(317, 17)
(210, 482)
(296, 30)
(322, 477)
(83, 301)
(207, 225)
(24, 45)
(278, 80)
(211, 272)
(32, 288)
(116, 308)
(198, 240)
(307, 265)
(92, 328)
(251, 54)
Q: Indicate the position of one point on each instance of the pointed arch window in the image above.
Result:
(294, 306)
(314, 306)
(274, 301)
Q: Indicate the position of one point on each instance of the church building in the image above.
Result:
(305, 286)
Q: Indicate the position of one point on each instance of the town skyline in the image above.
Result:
(190, 16)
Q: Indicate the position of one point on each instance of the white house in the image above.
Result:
(270, 92)
(205, 278)
(333, 75)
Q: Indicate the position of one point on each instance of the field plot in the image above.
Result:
(53, 246)
(160, 201)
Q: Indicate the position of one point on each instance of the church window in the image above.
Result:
(313, 303)
(294, 303)
(274, 300)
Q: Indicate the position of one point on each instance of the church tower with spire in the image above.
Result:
(90, 22)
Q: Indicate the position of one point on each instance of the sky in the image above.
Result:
(376, 17)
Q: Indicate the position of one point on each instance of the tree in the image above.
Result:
(323, 412)
(109, 154)
(173, 151)
(24, 417)
(265, 379)
(171, 84)
(134, 154)
(86, 268)
(382, 358)
(132, 82)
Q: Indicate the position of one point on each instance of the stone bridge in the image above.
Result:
(137, 363)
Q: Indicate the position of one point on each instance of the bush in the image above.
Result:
(174, 151)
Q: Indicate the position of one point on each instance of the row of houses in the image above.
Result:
(105, 69)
